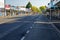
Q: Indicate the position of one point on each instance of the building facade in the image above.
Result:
(54, 7)
(24, 10)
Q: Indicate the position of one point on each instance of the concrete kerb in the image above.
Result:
(10, 16)
(6, 19)
(7, 16)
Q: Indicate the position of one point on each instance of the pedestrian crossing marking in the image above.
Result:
(46, 22)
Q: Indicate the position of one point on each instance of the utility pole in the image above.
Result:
(51, 5)
(50, 10)
(4, 7)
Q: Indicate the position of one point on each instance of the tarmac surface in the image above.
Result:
(25, 28)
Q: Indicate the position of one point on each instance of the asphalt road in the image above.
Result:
(24, 28)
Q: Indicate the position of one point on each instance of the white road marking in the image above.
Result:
(55, 28)
(27, 31)
(23, 38)
(43, 22)
(26, 21)
(46, 22)
(31, 27)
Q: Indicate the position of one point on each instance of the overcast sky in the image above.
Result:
(24, 2)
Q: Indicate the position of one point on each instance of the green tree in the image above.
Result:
(29, 5)
(38, 10)
(35, 9)
(42, 8)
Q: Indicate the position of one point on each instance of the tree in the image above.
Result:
(35, 9)
(29, 5)
(38, 10)
(42, 8)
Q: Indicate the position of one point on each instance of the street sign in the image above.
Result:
(1, 3)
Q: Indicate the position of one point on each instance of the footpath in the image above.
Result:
(5, 19)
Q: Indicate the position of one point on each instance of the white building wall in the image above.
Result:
(55, 1)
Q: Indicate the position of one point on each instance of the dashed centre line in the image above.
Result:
(27, 31)
(23, 38)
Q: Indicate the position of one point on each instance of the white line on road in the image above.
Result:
(23, 38)
(43, 22)
(56, 28)
(46, 22)
(31, 27)
(27, 31)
